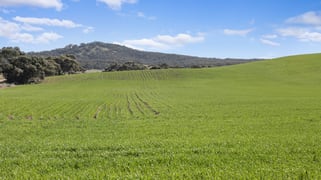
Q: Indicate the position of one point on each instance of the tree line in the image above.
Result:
(19, 68)
(129, 66)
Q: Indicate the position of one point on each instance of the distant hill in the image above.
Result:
(98, 55)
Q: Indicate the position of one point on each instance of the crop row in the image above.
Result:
(115, 106)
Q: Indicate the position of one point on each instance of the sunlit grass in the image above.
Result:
(256, 120)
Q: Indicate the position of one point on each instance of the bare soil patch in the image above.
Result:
(6, 85)
(3, 83)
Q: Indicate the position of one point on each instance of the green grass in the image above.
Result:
(249, 121)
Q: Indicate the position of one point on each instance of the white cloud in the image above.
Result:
(14, 32)
(7, 28)
(22, 37)
(141, 43)
(270, 36)
(47, 21)
(38, 3)
(30, 28)
(117, 4)
(302, 34)
(163, 41)
(142, 15)
(233, 32)
(47, 37)
(309, 18)
(269, 42)
(88, 30)
(43, 38)
(308, 33)
(179, 39)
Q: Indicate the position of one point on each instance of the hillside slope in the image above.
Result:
(299, 68)
(98, 55)
(248, 121)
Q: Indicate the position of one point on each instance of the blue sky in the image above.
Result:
(209, 28)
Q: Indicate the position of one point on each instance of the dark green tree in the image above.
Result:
(52, 68)
(19, 68)
(127, 66)
(9, 52)
(68, 64)
(24, 69)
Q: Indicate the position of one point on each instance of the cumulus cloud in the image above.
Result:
(309, 18)
(307, 27)
(302, 34)
(269, 42)
(47, 37)
(37, 3)
(233, 32)
(116, 4)
(43, 38)
(23, 37)
(9, 29)
(47, 22)
(163, 41)
(142, 15)
(14, 32)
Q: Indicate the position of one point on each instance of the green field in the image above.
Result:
(248, 121)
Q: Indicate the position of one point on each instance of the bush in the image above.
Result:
(19, 68)
(127, 66)
(67, 64)
(24, 70)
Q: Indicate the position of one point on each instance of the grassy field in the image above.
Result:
(249, 121)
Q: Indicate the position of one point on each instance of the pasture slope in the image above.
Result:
(248, 121)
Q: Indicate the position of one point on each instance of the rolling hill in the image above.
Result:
(98, 55)
(247, 121)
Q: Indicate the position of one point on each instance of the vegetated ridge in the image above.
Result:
(98, 55)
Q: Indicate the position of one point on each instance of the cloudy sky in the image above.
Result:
(209, 28)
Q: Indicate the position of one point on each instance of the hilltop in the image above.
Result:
(98, 55)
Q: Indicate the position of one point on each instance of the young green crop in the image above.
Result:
(249, 121)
